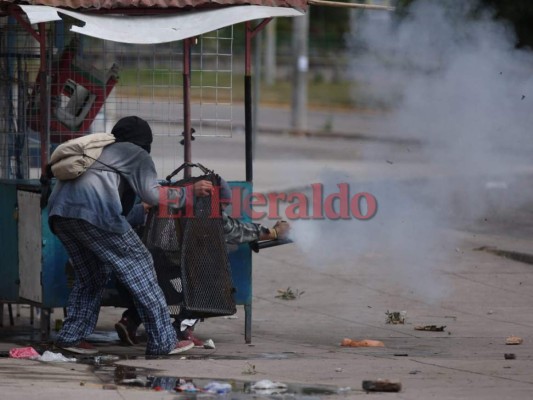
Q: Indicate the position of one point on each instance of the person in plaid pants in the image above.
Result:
(88, 214)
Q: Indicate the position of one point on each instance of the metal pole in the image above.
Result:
(270, 54)
(328, 3)
(250, 32)
(256, 89)
(187, 158)
(248, 103)
(301, 66)
(44, 97)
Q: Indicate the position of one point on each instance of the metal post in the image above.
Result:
(248, 323)
(10, 311)
(301, 66)
(187, 131)
(256, 89)
(270, 54)
(44, 96)
(248, 103)
(249, 34)
(45, 323)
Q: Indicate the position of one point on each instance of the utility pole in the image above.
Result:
(270, 53)
(300, 36)
(256, 88)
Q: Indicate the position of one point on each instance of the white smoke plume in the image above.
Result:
(458, 84)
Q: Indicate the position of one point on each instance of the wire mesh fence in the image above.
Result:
(92, 83)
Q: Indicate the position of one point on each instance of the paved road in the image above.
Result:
(425, 253)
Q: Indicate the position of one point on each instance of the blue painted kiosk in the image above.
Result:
(32, 270)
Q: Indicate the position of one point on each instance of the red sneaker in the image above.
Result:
(82, 347)
(188, 334)
(181, 346)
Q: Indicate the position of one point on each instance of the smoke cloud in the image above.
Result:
(449, 76)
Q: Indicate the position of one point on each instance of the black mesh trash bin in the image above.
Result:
(190, 257)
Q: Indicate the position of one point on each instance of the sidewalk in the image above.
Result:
(298, 341)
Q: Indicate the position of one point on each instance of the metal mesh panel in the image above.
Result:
(93, 83)
(191, 261)
(19, 66)
(163, 237)
(206, 275)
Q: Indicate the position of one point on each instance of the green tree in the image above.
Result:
(520, 14)
(517, 12)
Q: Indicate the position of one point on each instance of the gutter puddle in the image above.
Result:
(205, 388)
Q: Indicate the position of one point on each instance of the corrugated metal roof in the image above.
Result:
(140, 4)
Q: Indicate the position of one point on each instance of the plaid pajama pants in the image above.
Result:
(94, 254)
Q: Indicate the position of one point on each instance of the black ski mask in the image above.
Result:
(134, 130)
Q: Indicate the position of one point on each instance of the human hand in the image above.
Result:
(279, 231)
(203, 188)
(282, 229)
(146, 207)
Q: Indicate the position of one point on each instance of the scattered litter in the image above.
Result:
(49, 356)
(490, 312)
(249, 370)
(231, 317)
(217, 387)
(401, 355)
(24, 352)
(414, 372)
(382, 385)
(514, 340)
(432, 328)
(189, 387)
(338, 369)
(134, 382)
(451, 316)
(344, 389)
(209, 344)
(395, 317)
(361, 343)
(267, 387)
(289, 294)
(509, 356)
(99, 360)
(389, 162)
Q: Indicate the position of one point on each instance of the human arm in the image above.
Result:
(137, 215)
(142, 177)
(236, 231)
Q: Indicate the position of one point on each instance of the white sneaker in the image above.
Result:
(181, 346)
